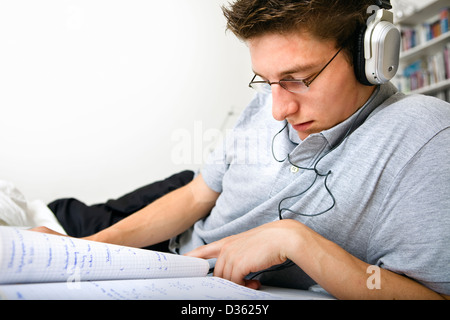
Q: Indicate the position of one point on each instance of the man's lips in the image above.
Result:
(302, 126)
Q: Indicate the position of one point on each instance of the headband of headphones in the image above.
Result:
(384, 4)
(378, 47)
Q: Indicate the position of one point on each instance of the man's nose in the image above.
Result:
(283, 103)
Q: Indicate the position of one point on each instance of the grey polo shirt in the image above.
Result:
(378, 185)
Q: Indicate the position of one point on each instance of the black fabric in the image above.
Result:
(80, 220)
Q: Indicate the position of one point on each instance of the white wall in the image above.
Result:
(407, 7)
(95, 95)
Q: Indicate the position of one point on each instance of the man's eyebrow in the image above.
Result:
(299, 69)
(293, 70)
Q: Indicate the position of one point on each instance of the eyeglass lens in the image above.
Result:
(295, 86)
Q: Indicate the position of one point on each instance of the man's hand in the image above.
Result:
(251, 251)
(338, 272)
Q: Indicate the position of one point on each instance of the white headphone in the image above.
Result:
(378, 48)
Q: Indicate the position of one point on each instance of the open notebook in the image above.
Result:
(41, 266)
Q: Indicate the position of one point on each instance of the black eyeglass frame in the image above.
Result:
(305, 82)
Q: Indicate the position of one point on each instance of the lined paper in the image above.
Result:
(30, 257)
(204, 288)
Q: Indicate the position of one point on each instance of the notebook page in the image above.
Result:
(28, 257)
(204, 288)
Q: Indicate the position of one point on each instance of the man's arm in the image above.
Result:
(341, 274)
(164, 218)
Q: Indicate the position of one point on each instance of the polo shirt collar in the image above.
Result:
(335, 134)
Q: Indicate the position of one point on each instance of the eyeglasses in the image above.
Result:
(291, 85)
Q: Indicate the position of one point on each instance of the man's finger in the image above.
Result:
(209, 251)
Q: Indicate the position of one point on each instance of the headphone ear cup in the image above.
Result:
(359, 60)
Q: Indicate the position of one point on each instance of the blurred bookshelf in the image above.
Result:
(425, 56)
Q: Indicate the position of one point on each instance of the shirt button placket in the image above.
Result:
(294, 169)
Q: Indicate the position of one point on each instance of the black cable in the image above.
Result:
(314, 168)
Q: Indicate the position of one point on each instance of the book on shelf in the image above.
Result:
(427, 71)
(38, 266)
(429, 30)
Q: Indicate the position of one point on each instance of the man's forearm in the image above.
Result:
(337, 271)
(345, 276)
(163, 219)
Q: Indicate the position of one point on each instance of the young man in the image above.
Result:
(324, 180)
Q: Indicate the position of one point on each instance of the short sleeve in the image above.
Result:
(226, 152)
(215, 168)
(412, 232)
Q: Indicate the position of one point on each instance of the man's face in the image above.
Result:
(333, 96)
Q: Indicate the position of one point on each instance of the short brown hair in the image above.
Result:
(336, 20)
